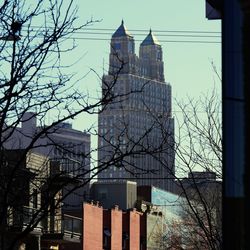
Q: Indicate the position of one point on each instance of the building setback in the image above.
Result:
(138, 121)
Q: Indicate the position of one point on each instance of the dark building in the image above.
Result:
(108, 194)
(29, 216)
(61, 143)
(139, 120)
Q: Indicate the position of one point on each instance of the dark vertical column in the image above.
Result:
(246, 78)
(233, 126)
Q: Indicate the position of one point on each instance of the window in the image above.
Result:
(117, 46)
(124, 240)
(34, 198)
(106, 238)
(130, 47)
(10, 216)
(159, 56)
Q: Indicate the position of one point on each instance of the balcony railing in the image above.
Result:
(19, 219)
(30, 213)
(62, 169)
(66, 225)
(72, 225)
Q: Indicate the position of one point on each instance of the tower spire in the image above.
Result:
(150, 39)
(121, 31)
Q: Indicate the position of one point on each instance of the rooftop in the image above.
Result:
(121, 31)
(150, 40)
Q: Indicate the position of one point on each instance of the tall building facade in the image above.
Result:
(136, 128)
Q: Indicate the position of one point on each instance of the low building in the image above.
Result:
(112, 229)
(92, 232)
(59, 143)
(109, 194)
(20, 198)
(163, 210)
(205, 191)
(152, 225)
(162, 213)
(64, 232)
(30, 203)
(170, 204)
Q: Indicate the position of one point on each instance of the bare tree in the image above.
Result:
(198, 145)
(35, 81)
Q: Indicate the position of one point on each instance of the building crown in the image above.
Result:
(121, 31)
(150, 40)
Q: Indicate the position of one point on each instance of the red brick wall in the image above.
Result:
(116, 229)
(95, 219)
(92, 227)
(134, 230)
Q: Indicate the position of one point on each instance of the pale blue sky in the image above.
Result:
(187, 65)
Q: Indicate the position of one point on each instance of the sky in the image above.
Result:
(190, 44)
(187, 64)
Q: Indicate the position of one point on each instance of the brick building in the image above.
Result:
(92, 227)
(110, 229)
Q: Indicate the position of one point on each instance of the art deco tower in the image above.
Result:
(138, 124)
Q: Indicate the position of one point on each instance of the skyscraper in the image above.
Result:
(136, 129)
